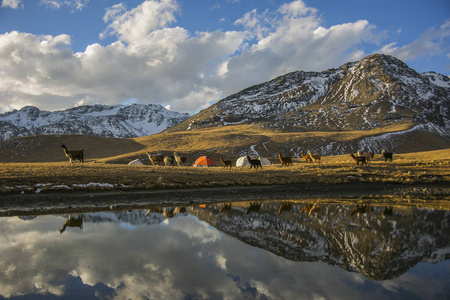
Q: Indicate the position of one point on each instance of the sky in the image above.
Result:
(186, 55)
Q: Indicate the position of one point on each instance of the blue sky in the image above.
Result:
(186, 55)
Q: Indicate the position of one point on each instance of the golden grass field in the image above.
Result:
(215, 142)
(37, 166)
(431, 167)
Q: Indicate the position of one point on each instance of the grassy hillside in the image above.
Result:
(228, 142)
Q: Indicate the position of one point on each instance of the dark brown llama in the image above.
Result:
(226, 163)
(388, 156)
(285, 160)
(254, 163)
(359, 159)
(73, 154)
(155, 159)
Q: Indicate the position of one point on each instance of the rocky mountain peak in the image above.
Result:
(121, 121)
(375, 91)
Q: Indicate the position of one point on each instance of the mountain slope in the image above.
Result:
(99, 120)
(376, 91)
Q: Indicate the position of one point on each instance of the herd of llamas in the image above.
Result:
(360, 158)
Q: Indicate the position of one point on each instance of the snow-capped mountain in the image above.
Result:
(376, 91)
(121, 121)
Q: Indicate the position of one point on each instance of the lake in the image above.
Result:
(238, 250)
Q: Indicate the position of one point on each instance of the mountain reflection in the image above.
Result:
(378, 242)
(183, 253)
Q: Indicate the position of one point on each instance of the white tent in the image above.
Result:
(136, 162)
(243, 161)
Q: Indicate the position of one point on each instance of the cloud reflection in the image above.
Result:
(179, 258)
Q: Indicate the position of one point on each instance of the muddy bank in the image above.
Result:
(422, 195)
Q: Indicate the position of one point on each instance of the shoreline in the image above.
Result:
(431, 195)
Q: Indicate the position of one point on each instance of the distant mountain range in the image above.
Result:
(120, 121)
(374, 93)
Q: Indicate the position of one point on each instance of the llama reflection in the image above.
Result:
(360, 210)
(309, 209)
(387, 211)
(225, 206)
(254, 206)
(72, 222)
(170, 212)
(285, 206)
(154, 210)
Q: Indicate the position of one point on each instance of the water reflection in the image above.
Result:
(236, 250)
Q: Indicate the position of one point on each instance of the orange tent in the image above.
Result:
(204, 161)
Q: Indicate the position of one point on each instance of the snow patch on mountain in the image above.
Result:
(120, 121)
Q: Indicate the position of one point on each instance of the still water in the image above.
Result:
(237, 251)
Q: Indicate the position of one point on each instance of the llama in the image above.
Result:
(254, 206)
(306, 157)
(168, 161)
(316, 157)
(388, 156)
(73, 222)
(181, 160)
(359, 159)
(254, 163)
(73, 154)
(285, 206)
(309, 209)
(225, 206)
(226, 163)
(154, 159)
(369, 156)
(285, 160)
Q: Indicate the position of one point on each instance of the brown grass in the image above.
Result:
(414, 168)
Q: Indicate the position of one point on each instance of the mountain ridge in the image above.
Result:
(120, 121)
(374, 91)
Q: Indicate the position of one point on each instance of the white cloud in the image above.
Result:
(114, 11)
(137, 23)
(292, 39)
(155, 62)
(432, 42)
(14, 4)
(57, 4)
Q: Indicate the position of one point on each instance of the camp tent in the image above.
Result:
(243, 161)
(136, 162)
(204, 161)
